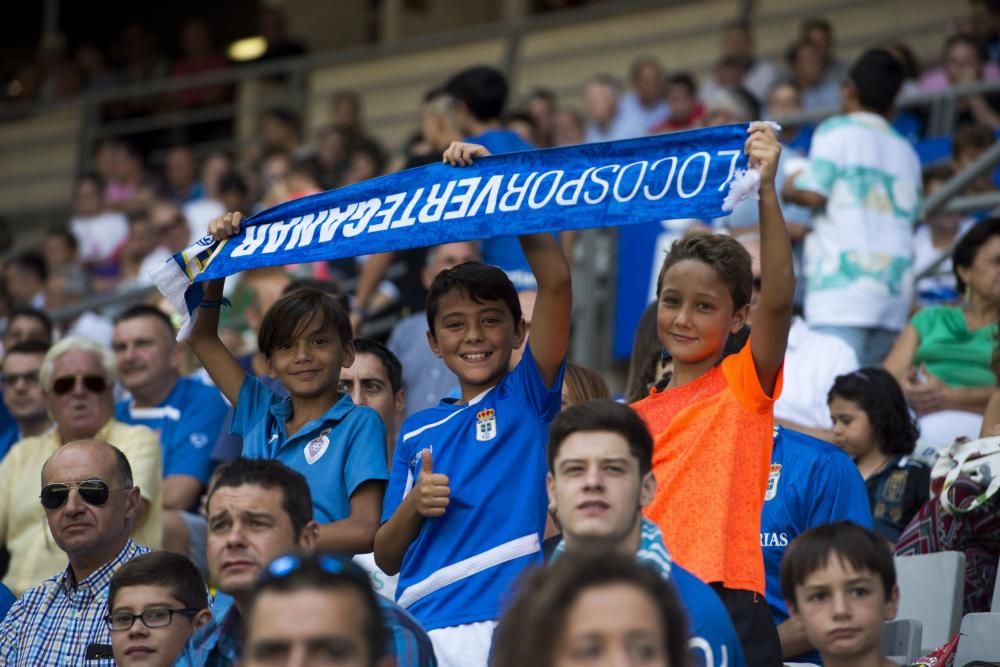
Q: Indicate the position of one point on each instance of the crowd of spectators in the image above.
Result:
(326, 409)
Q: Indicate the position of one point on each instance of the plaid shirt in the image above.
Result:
(53, 623)
(215, 644)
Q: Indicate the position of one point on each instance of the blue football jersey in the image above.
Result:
(462, 564)
(811, 483)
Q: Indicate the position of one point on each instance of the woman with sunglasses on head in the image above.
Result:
(77, 376)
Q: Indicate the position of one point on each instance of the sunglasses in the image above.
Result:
(11, 379)
(93, 492)
(285, 566)
(67, 383)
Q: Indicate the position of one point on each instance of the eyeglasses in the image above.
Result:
(93, 492)
(152, 618)
(67, 383)
(11, 379)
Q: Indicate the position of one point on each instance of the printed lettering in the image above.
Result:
(670, 178)
(732, 166)
(605, 185)
(432, 210)
(386, 212)
(514, 189)
(704, 174)
(557, 176)
(302, 234)
(577, 185)
(277, 234)
(643, 165)
(329, 228)
(489, 192)
(407, 218)
(253, 238)
(363, 216)
(464, 199)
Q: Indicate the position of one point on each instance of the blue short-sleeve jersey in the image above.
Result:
(336, 453)
(188, 421)
(811, 483)
(505, 251)
(462, 564)
(9, 432)
(713, 639)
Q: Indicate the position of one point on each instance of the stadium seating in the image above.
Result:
(901, 641)
(930, 591)
(980, 639)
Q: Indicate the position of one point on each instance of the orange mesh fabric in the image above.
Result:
(711, 457)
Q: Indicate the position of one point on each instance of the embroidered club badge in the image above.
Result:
(772, 481)
(316, 447)
(486, 425)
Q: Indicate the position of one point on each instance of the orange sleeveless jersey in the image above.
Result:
(711, 457)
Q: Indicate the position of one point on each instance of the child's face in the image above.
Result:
(475, 340)
(695, 312)
(614, 624)
(852, 430)
(309, 366)
(151, 647)
(842, 610)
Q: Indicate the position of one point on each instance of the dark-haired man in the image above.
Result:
(600, 458)
(257, 510)
(375, 380)
(90, 503)
(863, 180)
(22, 393)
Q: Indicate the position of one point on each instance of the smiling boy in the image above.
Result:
(465, 507)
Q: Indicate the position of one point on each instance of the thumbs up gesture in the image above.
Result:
(431, 491)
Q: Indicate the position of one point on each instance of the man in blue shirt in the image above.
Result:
(600, 459)
(811, 483)
(23, 399)
(259, 509)
(187, 414)
(23, 324)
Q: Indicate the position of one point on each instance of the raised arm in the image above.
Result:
(773, 318)
(204, 341)
(553, 306)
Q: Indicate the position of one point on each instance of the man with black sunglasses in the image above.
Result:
(77, 376)
(90, 501)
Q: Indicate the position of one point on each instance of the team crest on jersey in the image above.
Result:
(772, 481)
(486, 425)
(316, 447)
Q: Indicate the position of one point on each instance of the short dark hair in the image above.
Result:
(122, 467)
(32, 262)
(390, 362)
(146, 310)
(879, 396)
(968, 247)
(30, 346)
(231, 181)
(967, 40)
(941, 172)
(863, 549)
(480, 282)
(684, 79)
(162, 568)
(602, 415)
(724, 254)
(877, 76)
(330, 286)
(971, 135)
(269, 474)
(482, 89)
(32, 313)
(532, 625)
(816, 23)
(294, 310)
(642, 62)
(325, 572)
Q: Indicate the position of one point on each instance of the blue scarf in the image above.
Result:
(696, 174)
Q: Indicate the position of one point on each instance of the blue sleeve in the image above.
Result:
(366, 450)
(526, 382)
(713, 638)
(191, 452)
(399, 475)
(7, 599)
(839, 494)
(251, 406)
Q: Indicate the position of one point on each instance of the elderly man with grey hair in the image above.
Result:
(77, 376)
(90, 501)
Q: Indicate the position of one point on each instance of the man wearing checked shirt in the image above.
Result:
(90, 503)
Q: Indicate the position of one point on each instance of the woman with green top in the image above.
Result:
(943, 358)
